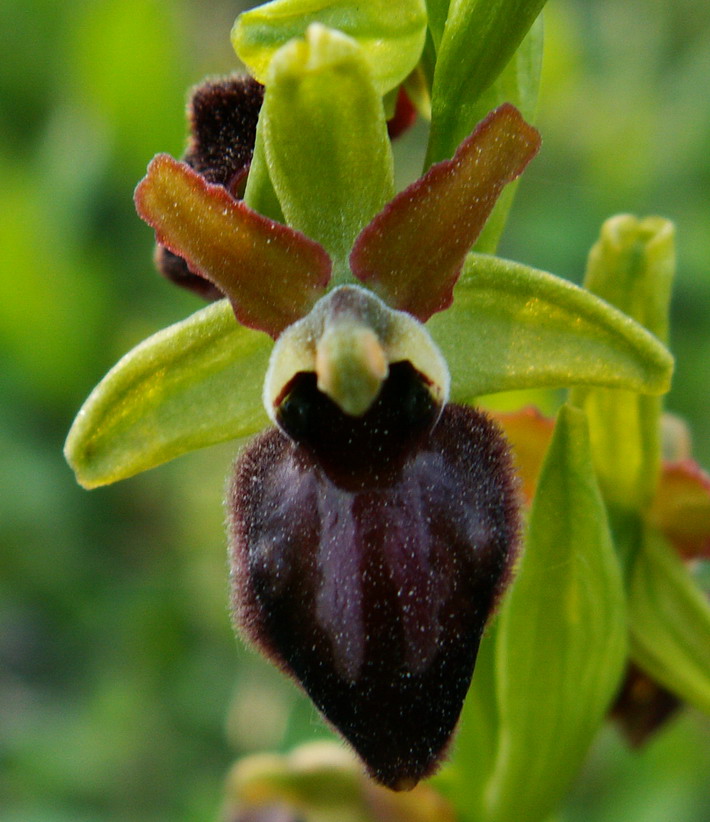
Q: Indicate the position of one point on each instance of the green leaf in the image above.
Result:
(479, 40)
(670, 622)
(464, 778)
(437, 12)
(562, 636)
(326, 141)
(391, 35)
(193, 384)
(512, 327)
(631, 266)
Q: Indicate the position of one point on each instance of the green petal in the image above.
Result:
(631, 266)
(479, 40)
(193, 384)
(561, 644)
(259, 193)
(670, 622)
(391, 35)
(512, 327)
(326, 141)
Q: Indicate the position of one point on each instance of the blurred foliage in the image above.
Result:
(123, 694)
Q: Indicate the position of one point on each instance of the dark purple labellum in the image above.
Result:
(368, 573)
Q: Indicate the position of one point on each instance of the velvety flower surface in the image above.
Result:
(223, 114)
(373, 590)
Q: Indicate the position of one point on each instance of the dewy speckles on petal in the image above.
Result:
(368, 550)
(375, 599)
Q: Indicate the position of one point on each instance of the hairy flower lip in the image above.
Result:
(374, 599)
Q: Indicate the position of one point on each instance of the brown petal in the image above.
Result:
(412, 252)
(404, 115)
(223, 114)
(681, 508)
(642, 706)
(529, 433)
(272, 274)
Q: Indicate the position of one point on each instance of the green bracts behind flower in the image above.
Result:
(511, 326)
(478, 42)
(669, 619)
(325, 140)
(632, 266)
(561, 641)
(390, 34)
(193, 384)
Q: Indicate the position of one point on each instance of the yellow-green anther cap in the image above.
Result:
(349, 340)
(351, 365)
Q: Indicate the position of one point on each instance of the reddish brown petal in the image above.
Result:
(375, 599)
(642, 707)
(272, 274)
(404, 115)
(223, 116)
(412, 252)
(681, 508)
(529, 434)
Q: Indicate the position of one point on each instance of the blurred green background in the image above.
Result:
(123, 693)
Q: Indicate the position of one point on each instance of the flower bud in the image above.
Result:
(223, 114)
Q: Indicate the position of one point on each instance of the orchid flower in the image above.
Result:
(374, 520)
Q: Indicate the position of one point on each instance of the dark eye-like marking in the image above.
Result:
(357, 452)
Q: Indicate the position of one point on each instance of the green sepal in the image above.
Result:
(390, 34)
(669, 620)
(193, 384)
(632, 267)
(326, 141)
(561, 646)
(479, 40)
(512, 327)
